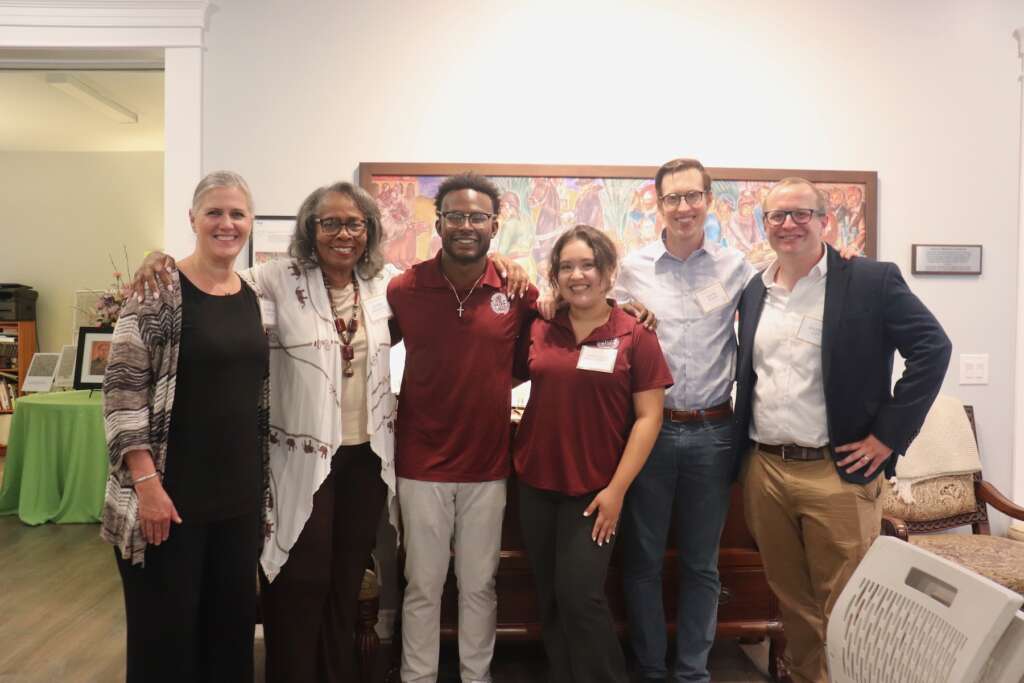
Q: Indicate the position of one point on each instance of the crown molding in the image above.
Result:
(138, 14)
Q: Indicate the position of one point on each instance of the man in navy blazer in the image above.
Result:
(815, 420)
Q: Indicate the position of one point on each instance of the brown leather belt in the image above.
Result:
(712, 413)
(790, 451)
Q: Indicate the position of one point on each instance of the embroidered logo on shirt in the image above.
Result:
(608, 343)
(499, 303)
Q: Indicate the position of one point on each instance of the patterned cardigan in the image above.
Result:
(138, 394)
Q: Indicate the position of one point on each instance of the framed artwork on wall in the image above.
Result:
(270, 238)
(91, 356)
(540, 201)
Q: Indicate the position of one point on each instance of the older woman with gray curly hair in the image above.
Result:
(331, 431)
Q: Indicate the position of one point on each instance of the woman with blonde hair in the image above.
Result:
(185, 403)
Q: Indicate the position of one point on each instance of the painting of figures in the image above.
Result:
(539, 202)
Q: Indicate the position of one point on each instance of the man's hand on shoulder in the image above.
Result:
(850, 252)
(643, 315)
(547, 306)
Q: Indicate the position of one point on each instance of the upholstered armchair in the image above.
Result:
(946, 501)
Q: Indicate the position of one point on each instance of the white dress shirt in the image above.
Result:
(789, 395)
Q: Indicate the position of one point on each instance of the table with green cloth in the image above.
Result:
(56, 464)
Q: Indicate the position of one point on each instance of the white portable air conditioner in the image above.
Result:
(909, 616)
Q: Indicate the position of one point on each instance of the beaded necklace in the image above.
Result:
(346, 331)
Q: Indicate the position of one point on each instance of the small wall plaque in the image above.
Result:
(945, 259)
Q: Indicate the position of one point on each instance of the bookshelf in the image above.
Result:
(17, 344)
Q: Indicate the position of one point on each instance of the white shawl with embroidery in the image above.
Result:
(305, 380)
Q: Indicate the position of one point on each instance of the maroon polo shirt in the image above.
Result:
(455, 404)
(578, 421)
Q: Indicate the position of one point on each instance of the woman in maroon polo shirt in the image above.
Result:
(598, 387)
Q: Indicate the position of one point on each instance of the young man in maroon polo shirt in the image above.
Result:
(460, 327)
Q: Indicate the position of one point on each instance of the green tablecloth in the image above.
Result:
(56, 465)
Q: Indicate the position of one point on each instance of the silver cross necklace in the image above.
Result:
(464, 299)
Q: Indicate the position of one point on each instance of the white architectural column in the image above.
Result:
(1018, 392)
(183, 143)
(176, 26)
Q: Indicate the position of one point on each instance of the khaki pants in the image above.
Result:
(812, 529)
(438, 518)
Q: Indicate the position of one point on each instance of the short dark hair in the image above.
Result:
(677, 165)
(468, 181)
(303, 242)
(606, 256)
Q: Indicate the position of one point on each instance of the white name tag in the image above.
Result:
(599, 360)
(268, 309)
(810, 331)
(377, 308)
(711, 298)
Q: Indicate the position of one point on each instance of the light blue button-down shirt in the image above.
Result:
(700, 346)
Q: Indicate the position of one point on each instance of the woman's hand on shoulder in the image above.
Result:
(516, 277)
(155, 271)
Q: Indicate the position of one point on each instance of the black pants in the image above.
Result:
(310, 609)
(191, 609)
(569, 569)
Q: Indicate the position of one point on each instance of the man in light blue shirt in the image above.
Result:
(693, 286)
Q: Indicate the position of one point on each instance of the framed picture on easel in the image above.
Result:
(92, 356)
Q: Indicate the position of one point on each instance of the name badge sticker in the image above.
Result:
(268, 310)
(810, 331)
(711, 298)
(597, 359)
(377, 308)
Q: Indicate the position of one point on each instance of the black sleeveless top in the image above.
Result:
(214, 468)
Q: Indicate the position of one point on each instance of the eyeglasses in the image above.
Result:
(332, 226)
(692, 198)
(455, 219)
(777, 217)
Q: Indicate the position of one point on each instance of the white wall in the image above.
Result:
(64, 214)
(924, 92)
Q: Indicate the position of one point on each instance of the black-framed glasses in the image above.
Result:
(332, 226)
(455, 219)
(692, 198)
(777, 217)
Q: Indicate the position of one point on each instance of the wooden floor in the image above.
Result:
(62, 616)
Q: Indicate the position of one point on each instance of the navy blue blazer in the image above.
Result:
(869, 313)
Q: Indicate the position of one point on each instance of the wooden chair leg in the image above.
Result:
(776, 663)
(367, 641)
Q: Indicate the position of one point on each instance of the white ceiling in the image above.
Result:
(37, 117)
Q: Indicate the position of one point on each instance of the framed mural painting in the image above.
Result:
(538, 202)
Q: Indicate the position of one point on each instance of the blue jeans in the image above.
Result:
(691, 463)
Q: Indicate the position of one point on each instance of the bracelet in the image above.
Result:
(151, 475)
